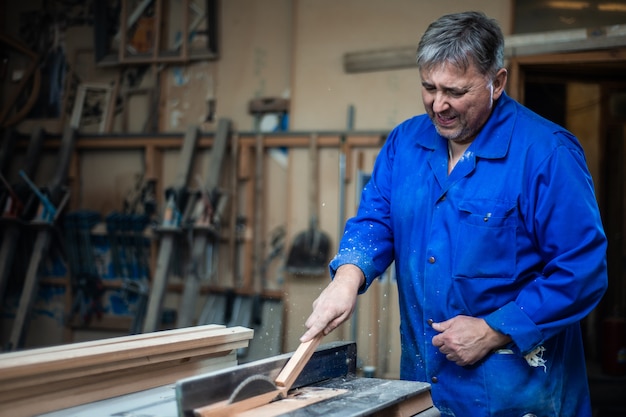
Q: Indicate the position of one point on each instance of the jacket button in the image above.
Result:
(431, 259)
(434, 379)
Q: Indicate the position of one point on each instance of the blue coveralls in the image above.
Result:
(513, 235)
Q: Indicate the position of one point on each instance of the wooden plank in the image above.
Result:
(48, 379)
(296, 363)
(156, 46)
(118, 366)
(250, 214)
(112, 377)
(38, 364)
(97, 142)
(245, 158)
(184, 54)
(284, 381)
(233, 244)
(380, 59)
(45, 385)
(226, 409)
(102, 388)
(100, 342)
(558, 41)
(123, 33)
(298, 399)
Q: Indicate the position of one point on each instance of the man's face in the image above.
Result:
(459, 102)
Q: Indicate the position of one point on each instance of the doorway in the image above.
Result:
(586, 93)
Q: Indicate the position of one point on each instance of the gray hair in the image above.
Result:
(463, 39)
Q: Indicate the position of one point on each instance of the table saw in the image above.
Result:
(327, 385)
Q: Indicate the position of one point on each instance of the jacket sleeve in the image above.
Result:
(368, 239)
(560, 211)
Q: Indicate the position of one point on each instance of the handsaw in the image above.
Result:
(258, 390)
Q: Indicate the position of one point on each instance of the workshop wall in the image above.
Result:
(325, 30)
(274, 48)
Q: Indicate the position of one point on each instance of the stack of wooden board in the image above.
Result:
(47, 379)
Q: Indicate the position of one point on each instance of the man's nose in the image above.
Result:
(440, 102)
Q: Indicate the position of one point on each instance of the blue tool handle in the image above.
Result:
(49, 209)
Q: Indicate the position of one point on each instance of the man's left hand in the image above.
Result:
(466, 340)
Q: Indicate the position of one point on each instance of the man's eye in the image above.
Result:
(457, 93)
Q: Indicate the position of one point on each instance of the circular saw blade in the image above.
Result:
(252, 386)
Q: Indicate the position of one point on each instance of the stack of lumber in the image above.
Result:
(47, 379)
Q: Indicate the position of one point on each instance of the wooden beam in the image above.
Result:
(558, 41)
(380, 59)
(297, 139)
(45, 379)
(296, 363)
(105, 386)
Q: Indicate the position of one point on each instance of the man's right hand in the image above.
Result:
(336, 302)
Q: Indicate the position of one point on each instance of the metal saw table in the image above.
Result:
(328, 386)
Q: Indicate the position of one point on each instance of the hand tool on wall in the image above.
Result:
(128, 247)
(15, 203)
(207, 215)
(6, 154)
(309, 253)
(51, 202)
(6, 149)
(171, 227)
(31, 77)
(87, 286)
(218, 304)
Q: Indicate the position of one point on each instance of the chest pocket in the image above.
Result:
(485, 244)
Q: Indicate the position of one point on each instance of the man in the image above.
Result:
(488, 211)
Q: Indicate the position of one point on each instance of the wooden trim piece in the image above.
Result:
(134, 351)
(298, 360)
(612, 55)
(284, 381)
(184, 48)
(46, 379)
(301, 398)
(156, 46)
(560, 41)
(121, 53)
(107, 386)
(519, 65)
(297, 140)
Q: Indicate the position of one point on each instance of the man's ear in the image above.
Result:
(499, 82)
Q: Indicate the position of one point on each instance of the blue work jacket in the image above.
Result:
(513, 235)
